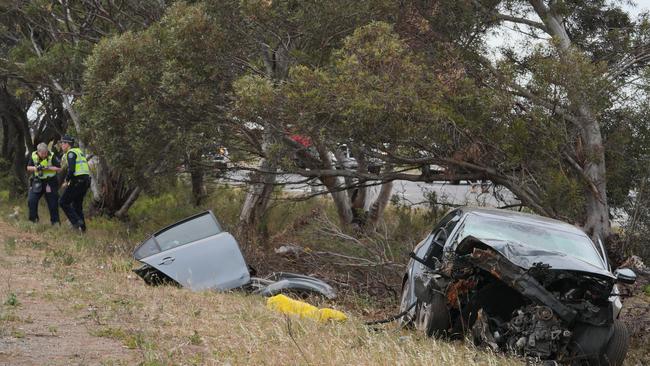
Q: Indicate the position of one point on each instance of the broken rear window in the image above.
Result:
(535, 236)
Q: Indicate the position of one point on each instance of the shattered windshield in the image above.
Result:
(536, 236)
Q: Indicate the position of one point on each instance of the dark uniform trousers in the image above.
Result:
(72, 200)
(50, 188)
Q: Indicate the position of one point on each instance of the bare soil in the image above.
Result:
(63, 305)
(89, 312)
(37, 327)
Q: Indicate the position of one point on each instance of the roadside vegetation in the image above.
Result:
(88, 278)
(172, 99)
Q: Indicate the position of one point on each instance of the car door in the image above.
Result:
(197, 254)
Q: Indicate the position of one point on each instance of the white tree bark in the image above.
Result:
(380, 204)
(597, 223)
(259, 192)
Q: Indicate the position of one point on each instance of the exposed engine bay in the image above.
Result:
(539, 312)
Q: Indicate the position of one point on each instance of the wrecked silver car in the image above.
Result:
(197, 254)
(519, 283)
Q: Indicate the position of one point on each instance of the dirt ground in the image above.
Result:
(36, 326)
(59, 305)
(636, 316)
(57, 309)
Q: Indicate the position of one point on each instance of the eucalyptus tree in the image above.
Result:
(283, 34)
(365, 95)
(153, 99)
(43, 45)
(567, 82)
(536, 118)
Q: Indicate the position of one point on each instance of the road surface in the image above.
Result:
(410, 193)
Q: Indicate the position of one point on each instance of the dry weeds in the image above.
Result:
(104, 314)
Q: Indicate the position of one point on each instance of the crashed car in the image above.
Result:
(198, 254)
(519, 283)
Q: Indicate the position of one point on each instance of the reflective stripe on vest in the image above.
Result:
(81, 164)
(45, 173)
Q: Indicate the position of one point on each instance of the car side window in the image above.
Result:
(147, 249)
(441, 233)
(450, 226)
(189, 231)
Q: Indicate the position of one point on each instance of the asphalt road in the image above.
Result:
(412, 193)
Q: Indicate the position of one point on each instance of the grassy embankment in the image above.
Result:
(71, 299)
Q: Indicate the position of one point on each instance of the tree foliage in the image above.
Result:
(43, 46)
(153, 97)
(558, 119)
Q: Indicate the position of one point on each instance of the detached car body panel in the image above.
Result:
(516, 282)
(278, 282)
(210, 263)
(197, 254)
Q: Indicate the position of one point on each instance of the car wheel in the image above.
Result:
(617, 346)
(433, 317)
(406, 321)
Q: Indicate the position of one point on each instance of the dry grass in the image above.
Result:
(167, 325)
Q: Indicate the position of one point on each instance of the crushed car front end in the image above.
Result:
(523, 299)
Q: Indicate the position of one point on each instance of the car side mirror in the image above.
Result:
(625, 275)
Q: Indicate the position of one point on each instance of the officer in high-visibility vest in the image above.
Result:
(43, 166)
(77, 182)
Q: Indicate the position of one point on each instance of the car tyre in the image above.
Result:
(617, 346)
(433, 317)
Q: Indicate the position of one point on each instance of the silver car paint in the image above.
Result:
(216, 263)
(414, 267)
(211, 263)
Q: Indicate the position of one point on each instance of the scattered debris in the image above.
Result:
(286, 305)
(16, 214)
(289, 249)
(197, 254)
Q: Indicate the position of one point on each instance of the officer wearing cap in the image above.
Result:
(77, 182)
(43, 166)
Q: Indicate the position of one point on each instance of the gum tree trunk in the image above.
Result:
(16, 140)
(256, 204)
(197, 174)
(592, 170)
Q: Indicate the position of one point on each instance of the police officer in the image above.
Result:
(44, 166)
(77, 182)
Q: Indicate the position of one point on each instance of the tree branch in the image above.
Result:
(553, 23)
(574, 164)
(509, 18)
(528, 22)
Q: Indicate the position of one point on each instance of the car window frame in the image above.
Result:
(453, 236)
(450, 233)
(178, 223)
(446, 219)
(603, 253)
(150, 237)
